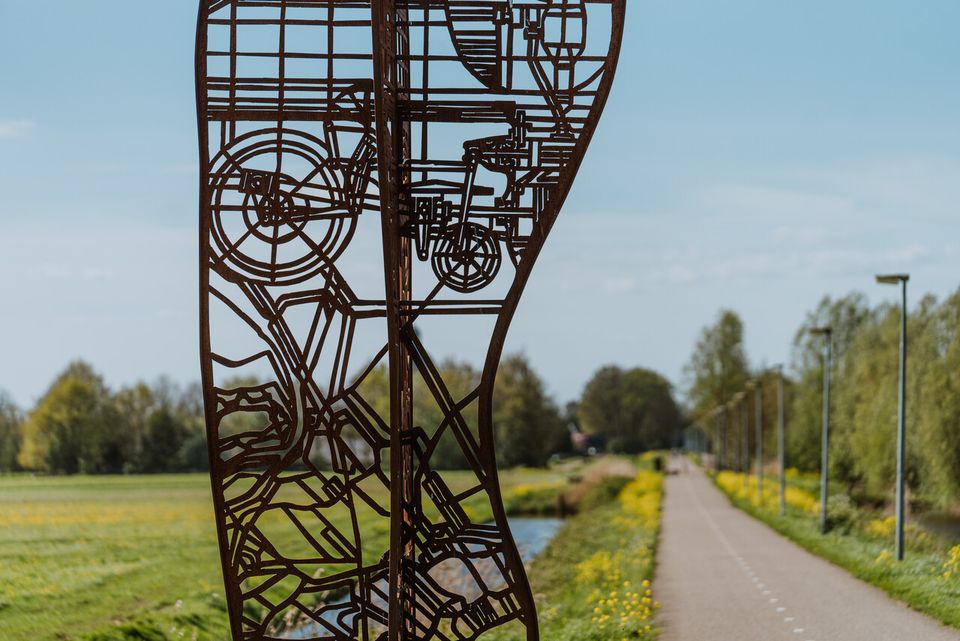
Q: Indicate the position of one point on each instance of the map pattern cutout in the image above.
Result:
(375, 173)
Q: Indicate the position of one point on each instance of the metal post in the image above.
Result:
(721, 441)
(727, 454)
(901, 419)
(900, 279)
(745, 440)
(825, 444)
(759, 401)
(781, 455)
(391, 66)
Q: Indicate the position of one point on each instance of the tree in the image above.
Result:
(165, 436)
(635, 409)
(71, 429)
(718, 367)
(188, 405)
(866, 405)
(527, 424)
(933, 407)
(163, 428)
(599, 411)
(133, 406)
(846, 316)
(10, 427)
(459, 380)
(193, 455)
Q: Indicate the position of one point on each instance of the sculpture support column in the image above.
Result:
(391, 71)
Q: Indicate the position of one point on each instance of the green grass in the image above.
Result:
(589, 583)
(135, 558)
(918, 581)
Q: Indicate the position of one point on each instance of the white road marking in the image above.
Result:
(725, 542)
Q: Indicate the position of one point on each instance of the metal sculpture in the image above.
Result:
(450, 131)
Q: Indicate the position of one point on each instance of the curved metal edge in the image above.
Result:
(233, 596)
(495, 351)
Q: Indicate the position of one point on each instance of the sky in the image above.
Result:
(755, 155)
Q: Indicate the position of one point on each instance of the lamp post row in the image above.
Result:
(740, 402)
(722, 413)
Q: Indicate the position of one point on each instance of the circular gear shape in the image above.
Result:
(280, 211)
(467, 257)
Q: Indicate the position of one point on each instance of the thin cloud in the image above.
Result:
(748, 203)
(620, 285)
(12, 128)
(68, 272)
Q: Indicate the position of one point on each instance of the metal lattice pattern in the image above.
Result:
(436, 141)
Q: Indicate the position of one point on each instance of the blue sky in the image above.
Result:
(755, 155)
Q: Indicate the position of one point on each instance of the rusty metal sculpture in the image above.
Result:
(450, 131)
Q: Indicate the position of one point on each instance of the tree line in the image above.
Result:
(864, 380)
(80, 425)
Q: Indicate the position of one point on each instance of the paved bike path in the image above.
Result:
(724, 576)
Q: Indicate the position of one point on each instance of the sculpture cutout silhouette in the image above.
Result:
(373, 173)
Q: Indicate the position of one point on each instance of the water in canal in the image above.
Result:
(946, 526)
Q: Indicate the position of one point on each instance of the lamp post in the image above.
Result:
(900, 279)
(722, 452)
(713, 445)
(758, 398)
(721, 438)
(745, 438)
(727, 432)
(827, 333)
(781, 456)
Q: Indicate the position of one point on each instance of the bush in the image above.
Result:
(842, 515)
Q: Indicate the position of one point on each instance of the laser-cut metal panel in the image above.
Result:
(375, 173)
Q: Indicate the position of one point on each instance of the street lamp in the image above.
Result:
(724, 444)
(827, 333)
(900, 279)
(733, 458)
(745, 437)
(758, 397)
(721, 446)
(781, 456)
(712, 445)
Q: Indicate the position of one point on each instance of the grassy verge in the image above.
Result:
(928, 580)
(135, 558)
(592, 583)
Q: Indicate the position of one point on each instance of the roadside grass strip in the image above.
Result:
(592, 583)
(860, 541)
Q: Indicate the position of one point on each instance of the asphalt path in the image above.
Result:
(723, 576)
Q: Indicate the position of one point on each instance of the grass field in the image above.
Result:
(135, 558)
(927, 580)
